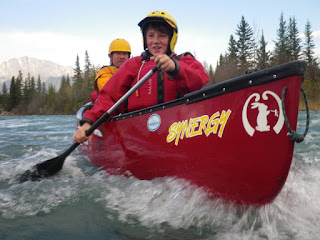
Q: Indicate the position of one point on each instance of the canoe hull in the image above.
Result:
(234, 144)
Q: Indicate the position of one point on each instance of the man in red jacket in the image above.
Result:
(176, 75)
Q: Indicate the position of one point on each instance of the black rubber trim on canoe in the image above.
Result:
(245, 81)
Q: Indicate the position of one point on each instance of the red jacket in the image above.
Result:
(190, 77)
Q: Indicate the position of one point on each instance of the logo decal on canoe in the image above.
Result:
(197, 126)
(154, 122)
(260, 109)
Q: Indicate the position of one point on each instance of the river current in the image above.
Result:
(83, 202)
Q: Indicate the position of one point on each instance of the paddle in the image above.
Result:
(54, 165)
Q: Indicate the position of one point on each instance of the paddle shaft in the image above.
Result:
(115, 106)
(52, 166)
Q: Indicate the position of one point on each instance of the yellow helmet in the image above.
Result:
(165, 17)
(119, 45)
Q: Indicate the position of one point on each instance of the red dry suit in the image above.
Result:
(161, 87)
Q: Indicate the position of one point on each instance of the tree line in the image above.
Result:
(247, 54)
(244, 54)
(27, 96)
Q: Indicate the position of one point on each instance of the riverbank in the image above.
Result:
(5, 113)
(312, 104)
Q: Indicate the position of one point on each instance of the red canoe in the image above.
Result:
(230, 138)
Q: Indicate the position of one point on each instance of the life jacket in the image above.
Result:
(103, 76)
(160, 76)
(191, 77)
(156, 90)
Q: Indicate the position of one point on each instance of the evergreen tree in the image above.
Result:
(4, 97)
(309, 45)
(12, 103)
(281, 51)
(34, 104)
(68, 84)
(51, 99)
(62, 85)
(88, 75)
(44, 90)
(26, 90)
(32, 87)
(232, 48)
(62, 94)
(205, 66)
(263, 56)
(245, 44)
(78, 85)
(2, 100)
(93, 77)
(4, 89)
(67, 108)
(294, 40)
(18, 88)
(38, 87)
(77, 70)
(43, 94)
(221, 59)
(230, 64)
(87, 66)
(211, 75)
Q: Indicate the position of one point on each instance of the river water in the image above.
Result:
(82, 202)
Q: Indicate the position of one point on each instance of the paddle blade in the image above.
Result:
(44, 169)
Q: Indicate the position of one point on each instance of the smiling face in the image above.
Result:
(157, 40)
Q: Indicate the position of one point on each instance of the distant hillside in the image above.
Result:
(49, 72)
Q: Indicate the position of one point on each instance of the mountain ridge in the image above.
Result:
(50, 72)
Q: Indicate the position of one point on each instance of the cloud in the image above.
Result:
(316, 38)
(316, 34)
(57, 47)
(63, 48)
(206, 47)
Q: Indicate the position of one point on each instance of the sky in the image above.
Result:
(59, 30)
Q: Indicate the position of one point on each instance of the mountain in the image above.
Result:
(49, 72)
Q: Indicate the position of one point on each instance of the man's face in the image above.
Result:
(118, 58)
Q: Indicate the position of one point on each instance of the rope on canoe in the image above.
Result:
(294, 136)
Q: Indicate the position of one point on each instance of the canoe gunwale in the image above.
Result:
(249, 80)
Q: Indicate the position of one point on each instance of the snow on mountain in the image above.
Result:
(49, 71)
